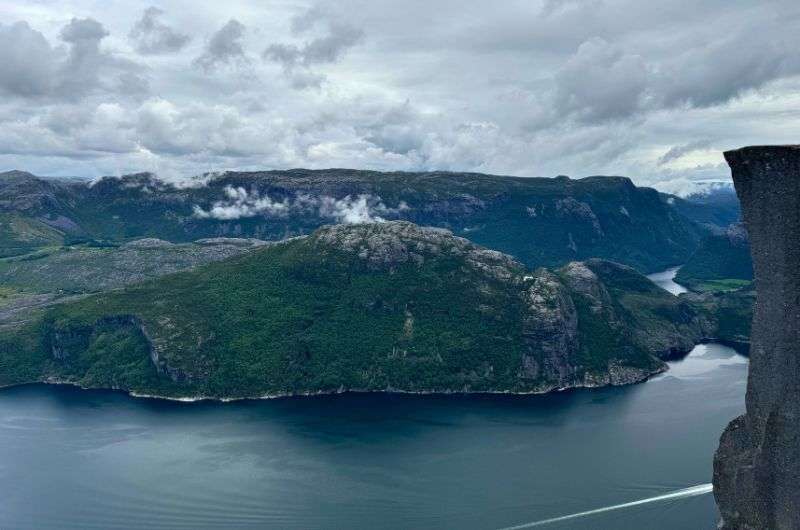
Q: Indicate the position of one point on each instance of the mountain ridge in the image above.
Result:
(541, 221)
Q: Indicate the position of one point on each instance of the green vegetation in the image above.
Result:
(540, 221)
(721, 262)
(367, 307)
(21, 235)
(641, 314)
(726, 284)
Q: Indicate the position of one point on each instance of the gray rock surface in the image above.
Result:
(86, 269)
(384, 246)
(757, 465)
(550, 330)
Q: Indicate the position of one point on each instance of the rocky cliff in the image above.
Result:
(757, 465)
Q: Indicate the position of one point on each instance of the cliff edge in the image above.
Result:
(757, 465)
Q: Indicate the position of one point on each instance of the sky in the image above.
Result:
(651, 90)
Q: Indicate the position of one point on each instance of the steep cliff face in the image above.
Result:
(757, 465)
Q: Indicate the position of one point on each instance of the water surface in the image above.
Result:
(666, 280)
(102, 460)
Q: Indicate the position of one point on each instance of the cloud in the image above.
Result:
(685, 187)
(224, 47)
(575, 87)
(152, 37)
(551, 7)
(601, 82)
(240, 204)
(297, 60)
(85, 60)
(164, 127)
(28, 64)
(678, 151)
(30, 67)
(730, 65)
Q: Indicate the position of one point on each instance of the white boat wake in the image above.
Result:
(693, 491)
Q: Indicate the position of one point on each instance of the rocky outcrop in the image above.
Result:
(550, 331)
(757, 465)
(82, 269)
(737, 235)
(385, 246)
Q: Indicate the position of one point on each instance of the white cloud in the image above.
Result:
(240, 203)
(684, 187)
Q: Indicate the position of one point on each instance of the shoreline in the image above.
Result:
(323, 393)
(740, 348)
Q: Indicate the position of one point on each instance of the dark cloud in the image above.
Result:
(734, 63)
(679, 151)
(601, 82)
(28, 63)
(224, 47)
(151, 36)
(604, 81)
(31, 67)
(83, 67)
(298, 60)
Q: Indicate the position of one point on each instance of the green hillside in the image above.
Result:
(721, 262)
(387, 306)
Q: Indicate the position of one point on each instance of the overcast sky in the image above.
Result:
(652, 90)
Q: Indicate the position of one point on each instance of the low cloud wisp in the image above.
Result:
(240, 203)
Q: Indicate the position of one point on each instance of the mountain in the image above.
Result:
(721, 262)
(729, 315)
(540, 221)
(34, 213)
(715, 209)
(380, 306)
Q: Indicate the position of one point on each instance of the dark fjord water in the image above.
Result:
(77, 459)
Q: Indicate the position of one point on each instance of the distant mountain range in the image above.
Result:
(714, 209)
(541, 222)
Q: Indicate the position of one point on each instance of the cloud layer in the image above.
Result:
(575, 87)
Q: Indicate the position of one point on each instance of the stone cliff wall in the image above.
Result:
(757, 465)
